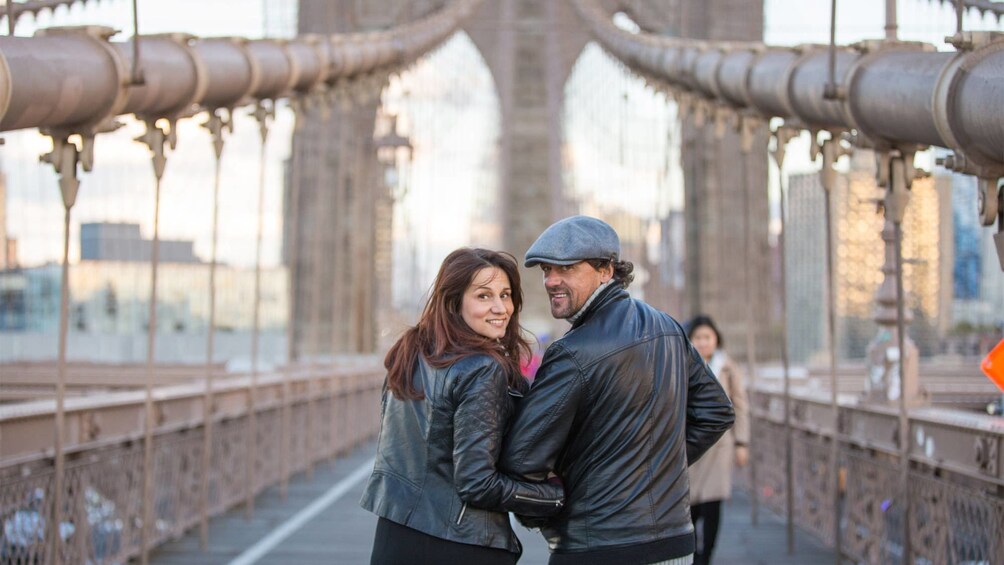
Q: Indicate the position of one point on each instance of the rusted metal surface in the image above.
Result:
(102, 513)
(955, 487)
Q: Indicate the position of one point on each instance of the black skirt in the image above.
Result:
(400, 545)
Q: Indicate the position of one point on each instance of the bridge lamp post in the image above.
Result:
(394, 153)
(892, 355)
(390, 147)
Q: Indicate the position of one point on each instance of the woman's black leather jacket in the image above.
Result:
(435, 467)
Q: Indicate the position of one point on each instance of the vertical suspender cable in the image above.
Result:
(136, 75)
(315, 298)
(788, 432)
(11, 17)
(60, 470)
(337, 408)
(156, 138)
(215, 126)
(64, 158)
(897, 178)
(903, 420)
(750, 339)
(252, 462)
(830, 153)
(891, 25)
(830, 90)
(293, 232)
(781, 137)
(831, 336)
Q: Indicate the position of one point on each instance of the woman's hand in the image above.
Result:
(742, 455)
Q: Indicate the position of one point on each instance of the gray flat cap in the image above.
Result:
(572, 240)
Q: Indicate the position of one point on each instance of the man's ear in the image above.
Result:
(607, 272)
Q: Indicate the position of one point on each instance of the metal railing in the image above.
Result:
(101, 518)
(955, 495)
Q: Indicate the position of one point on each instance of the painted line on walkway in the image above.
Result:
(286, 529)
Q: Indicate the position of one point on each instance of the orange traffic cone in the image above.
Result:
(993, 365)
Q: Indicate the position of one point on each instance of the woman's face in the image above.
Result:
(487, 306)
(704, 340)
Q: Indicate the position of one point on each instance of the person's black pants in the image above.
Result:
(395, 544)
(706, 517)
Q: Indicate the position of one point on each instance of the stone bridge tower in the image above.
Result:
(530, 47)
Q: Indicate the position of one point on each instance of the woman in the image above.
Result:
(711, 476)
(452, 383)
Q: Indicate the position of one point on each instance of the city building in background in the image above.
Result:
(110, 300)
(123, 242)
(977, 281)
(805, 264)
(109, 309)
(928, 247)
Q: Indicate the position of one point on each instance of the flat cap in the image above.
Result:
(572, 240)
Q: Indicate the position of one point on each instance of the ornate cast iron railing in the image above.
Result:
(956, 486)
(323, 415)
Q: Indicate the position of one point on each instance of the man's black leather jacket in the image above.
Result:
(435, 467)
(620, 406)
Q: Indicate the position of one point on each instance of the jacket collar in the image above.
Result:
(611, 293)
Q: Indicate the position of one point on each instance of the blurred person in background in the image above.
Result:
(711, 476)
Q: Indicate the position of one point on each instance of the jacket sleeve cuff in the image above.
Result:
(543, 499)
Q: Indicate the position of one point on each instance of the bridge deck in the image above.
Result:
(321, 522)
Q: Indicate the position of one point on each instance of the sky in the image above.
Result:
(789, 22)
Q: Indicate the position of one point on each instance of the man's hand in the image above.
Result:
(742, 455)
(532, 522)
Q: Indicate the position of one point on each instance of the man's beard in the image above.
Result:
(567, 307)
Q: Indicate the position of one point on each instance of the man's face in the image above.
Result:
(569, 286)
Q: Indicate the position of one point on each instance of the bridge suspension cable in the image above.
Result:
(86, 75)
(889, 95)
(886, 89)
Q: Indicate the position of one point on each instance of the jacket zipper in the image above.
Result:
(540, 500)
(462, 510)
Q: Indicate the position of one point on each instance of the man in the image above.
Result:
(621, 405)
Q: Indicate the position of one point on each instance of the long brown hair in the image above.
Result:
(442, 336)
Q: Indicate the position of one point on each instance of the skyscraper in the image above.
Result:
(805, 265)
(858, 259)
(977, 281)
